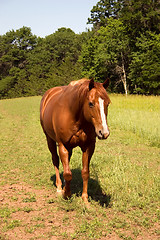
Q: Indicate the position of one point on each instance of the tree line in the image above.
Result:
(124, 45)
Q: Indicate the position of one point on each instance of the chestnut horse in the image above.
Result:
(73, 116)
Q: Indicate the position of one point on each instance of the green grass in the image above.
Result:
(124, 173)
(138, 114)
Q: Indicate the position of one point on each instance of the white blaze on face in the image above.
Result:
(103, 116)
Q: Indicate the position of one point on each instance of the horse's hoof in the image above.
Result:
(66, 194)
(60, 192)
(85, 200)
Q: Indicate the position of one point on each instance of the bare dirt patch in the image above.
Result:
(30, 213)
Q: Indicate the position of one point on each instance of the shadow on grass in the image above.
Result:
(94, 188)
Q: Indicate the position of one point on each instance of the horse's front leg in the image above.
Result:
(67, 174)
(87, 154)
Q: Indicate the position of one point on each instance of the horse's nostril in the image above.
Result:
(100, 133)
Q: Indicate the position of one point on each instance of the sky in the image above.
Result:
(44, 17)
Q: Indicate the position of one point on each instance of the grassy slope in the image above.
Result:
(123, 187)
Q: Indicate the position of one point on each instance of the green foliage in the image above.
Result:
(145, 65)
(63, 44)
(113, 55)
(129, 50)
(30, 65)
(15, 47)
(123, 45)
(140, 16)
(87, 57)
(103, 10)
(101, 57)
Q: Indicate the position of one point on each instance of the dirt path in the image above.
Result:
(29, 213)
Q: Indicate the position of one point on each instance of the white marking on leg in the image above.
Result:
(59, 190)
(103, 116)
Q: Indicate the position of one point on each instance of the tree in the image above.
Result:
(64, 47)
(107, 53)
(63, 44)
(145, 65)
(38, 67)
(30, 65)
(140, 16)
(132, 54)
(103, 10)
(14, 48)
(87, 58)
(113, 50)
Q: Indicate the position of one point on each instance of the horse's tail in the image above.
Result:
(42, 110)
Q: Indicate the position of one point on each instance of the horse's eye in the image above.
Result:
(91, 104)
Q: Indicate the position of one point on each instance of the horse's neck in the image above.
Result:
(76, 98)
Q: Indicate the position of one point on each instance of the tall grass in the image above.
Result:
(138, 114)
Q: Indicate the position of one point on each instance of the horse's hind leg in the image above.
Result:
(65, 156)
(55, 159)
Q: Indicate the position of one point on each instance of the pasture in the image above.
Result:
(124, 189)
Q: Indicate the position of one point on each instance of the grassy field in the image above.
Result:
(124, 185)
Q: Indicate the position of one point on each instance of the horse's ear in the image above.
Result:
(91, 84)
(106, 83)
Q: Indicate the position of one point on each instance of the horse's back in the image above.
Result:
(48, 96)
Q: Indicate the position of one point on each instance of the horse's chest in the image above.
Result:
(78, 139)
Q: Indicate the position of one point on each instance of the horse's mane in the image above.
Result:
(82, 87)
(78, 82)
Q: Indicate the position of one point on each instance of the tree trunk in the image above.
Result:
(123, 76)
(124, 79)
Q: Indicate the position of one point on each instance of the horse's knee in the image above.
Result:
(85, 174)
(67, 176)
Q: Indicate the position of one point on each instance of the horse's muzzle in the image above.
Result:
(102, 135)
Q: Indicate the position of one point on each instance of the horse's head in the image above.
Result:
(96, 107)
